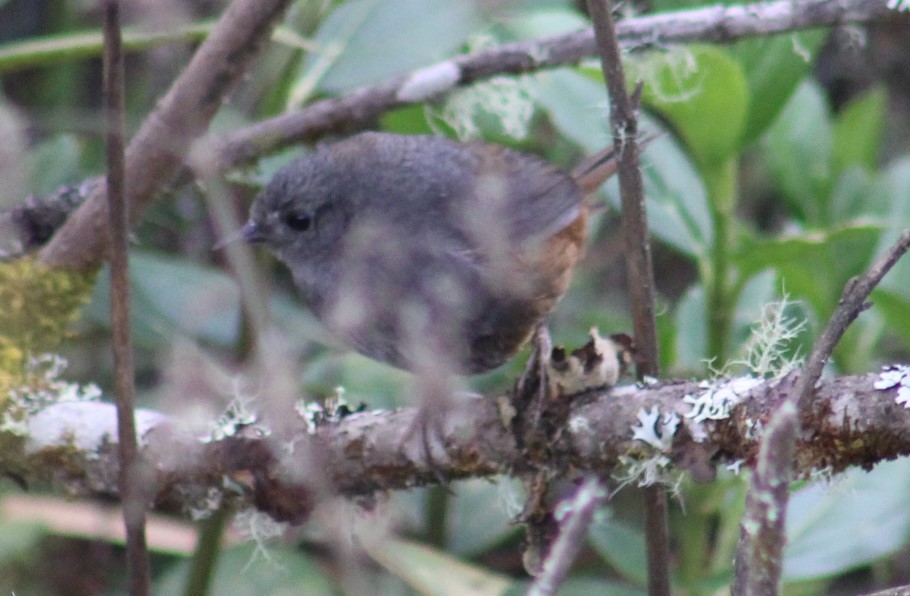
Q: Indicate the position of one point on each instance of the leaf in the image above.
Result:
(774, 67)
(814, 264)
(798, 153)
(677, 203)
(894, 189)
(678, 212)
(410, 120)
(244, 570)
(858, 519)
(19, 540)
(691, 334)
(171, 295)
(576, 104)
(585, 586)
(368, 41)
(175, 296)
(857, 194)
(895, 309)
(430, 571)
(757, 292)
(545, 21)
(858, 131)
(478, 516)
(53, 163)
(622, 546)
(702, 92)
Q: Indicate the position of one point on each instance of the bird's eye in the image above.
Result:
(298, 221)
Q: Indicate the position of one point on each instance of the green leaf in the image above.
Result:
(858, 131)
(174, 296)
(411, 120)
(244, 570)
(691, 331)
(857, 520)
(798, 152)
(678, 212)
(20, 540)
(576, 104)
(430, 571)
(622, 546)
(543, 22)
(677, 203)
(757, 292)
(774, 67)
(702, 92)
(857, 194)
(368, 41)
(894, 188)
(895, 310)
(478, 517)
(814, 265)
(55, 162)
(586, 586)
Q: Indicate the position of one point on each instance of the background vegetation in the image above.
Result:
(786, 171)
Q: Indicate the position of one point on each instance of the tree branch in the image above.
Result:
(166, 136)
(360, 108)
(850, 422)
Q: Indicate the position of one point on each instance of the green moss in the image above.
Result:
(37, 305)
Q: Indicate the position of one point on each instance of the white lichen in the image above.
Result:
(718, 400)
(895, 375)
(656, 431)
(765, 352)
(45, 389)
(239, 414)
(261, 529)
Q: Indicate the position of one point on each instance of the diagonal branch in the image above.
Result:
(360, 108)
(167, 134)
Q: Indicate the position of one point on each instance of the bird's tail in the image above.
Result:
(595, 170)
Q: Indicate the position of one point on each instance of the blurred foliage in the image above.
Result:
(759, 190)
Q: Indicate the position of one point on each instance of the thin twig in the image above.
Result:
(579, 511)
(130, 480)
(639, 268)
(360, 108)
(759, 559)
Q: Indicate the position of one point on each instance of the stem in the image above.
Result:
(205, 557)
(131, 490)
(437, 514)
(722, 190)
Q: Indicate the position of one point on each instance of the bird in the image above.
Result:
(424, 252)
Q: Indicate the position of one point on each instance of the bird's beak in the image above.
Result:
(252, 233)
(248, 232)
